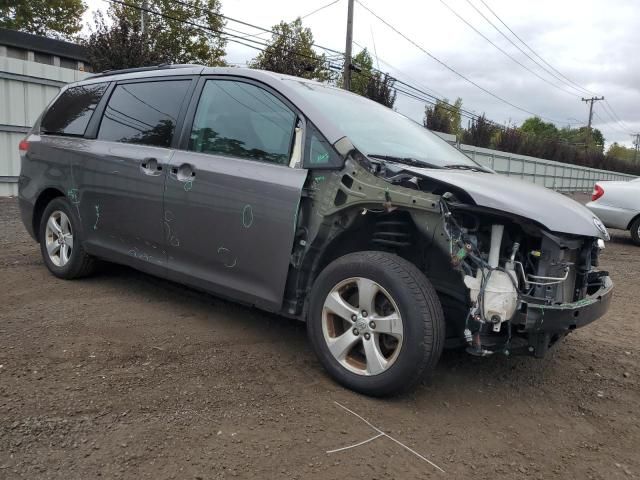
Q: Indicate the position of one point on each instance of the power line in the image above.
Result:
(207, 29)
(430, 99)
(610, 124)
(319, 9)
(380, 59)
(427, 98)
(611, 112)
(209, 12)
(261, 41)
(532, 50)
(220, 32)
(504, 52)
(258, 35)
(430, 55)
(242, 22)
(547, 70)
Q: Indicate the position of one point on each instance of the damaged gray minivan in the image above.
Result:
(306, 200)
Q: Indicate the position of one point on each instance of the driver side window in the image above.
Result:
(240, 119)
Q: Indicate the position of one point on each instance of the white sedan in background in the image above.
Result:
(617, 204)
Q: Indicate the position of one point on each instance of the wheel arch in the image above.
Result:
(44, 198)
(351, 231)
(636, 217)
(359, 233)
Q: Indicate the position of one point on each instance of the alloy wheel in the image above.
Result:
(362, 326)
(59, 238)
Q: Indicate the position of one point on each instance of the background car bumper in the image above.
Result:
(612, 217)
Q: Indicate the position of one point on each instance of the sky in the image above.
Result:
(593, 43)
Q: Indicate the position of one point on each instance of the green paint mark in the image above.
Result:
(95, 225)
(322, 158)
(247, 216)
(566, 306)
(74, 195)
(317, 181)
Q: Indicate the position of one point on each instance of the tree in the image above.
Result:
(621, 152)
(380, 89)
(290, 51)
(369, 83)
(52, 18)
(536, 126)
(442, 117)
(580, 136)
(122, 45)
(361, 74)
(183, 34)
(480, 132)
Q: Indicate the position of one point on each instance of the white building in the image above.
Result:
(32, 70)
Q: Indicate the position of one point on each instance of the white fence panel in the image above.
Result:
(558, 176)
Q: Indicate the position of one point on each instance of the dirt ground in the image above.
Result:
(123, 375)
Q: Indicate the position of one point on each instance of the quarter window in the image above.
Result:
(242, 120)
(320, 153)
(71, 112)
(144, 113)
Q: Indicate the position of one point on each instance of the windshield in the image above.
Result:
(379, 131)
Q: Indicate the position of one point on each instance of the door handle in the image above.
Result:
(184, 173)
(150, 166)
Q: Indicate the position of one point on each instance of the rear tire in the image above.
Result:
(61, 241)
(635, 231)
(375, 323)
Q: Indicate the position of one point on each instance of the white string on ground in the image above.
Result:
(357, 444)
(381, 434)
(414, 452)
(365, 421)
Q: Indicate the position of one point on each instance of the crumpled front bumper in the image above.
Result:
(545, 324)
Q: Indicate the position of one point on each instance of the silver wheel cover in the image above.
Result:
(59, 238)
(362, 326)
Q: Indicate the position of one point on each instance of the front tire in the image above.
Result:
(60, 237)
(375, 323)
(635, 231)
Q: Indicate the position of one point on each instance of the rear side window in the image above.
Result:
(144, 113)
(71, 112)
(242, 120)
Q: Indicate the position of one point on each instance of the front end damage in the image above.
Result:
(527, 287)
(507, 283)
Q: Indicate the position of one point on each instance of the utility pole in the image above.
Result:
(346, 78)
(143, 14)
(590, 102)
(636, 143)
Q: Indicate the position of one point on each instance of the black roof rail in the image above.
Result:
(162, 66)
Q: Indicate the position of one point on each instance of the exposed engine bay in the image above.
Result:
(509, 268)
